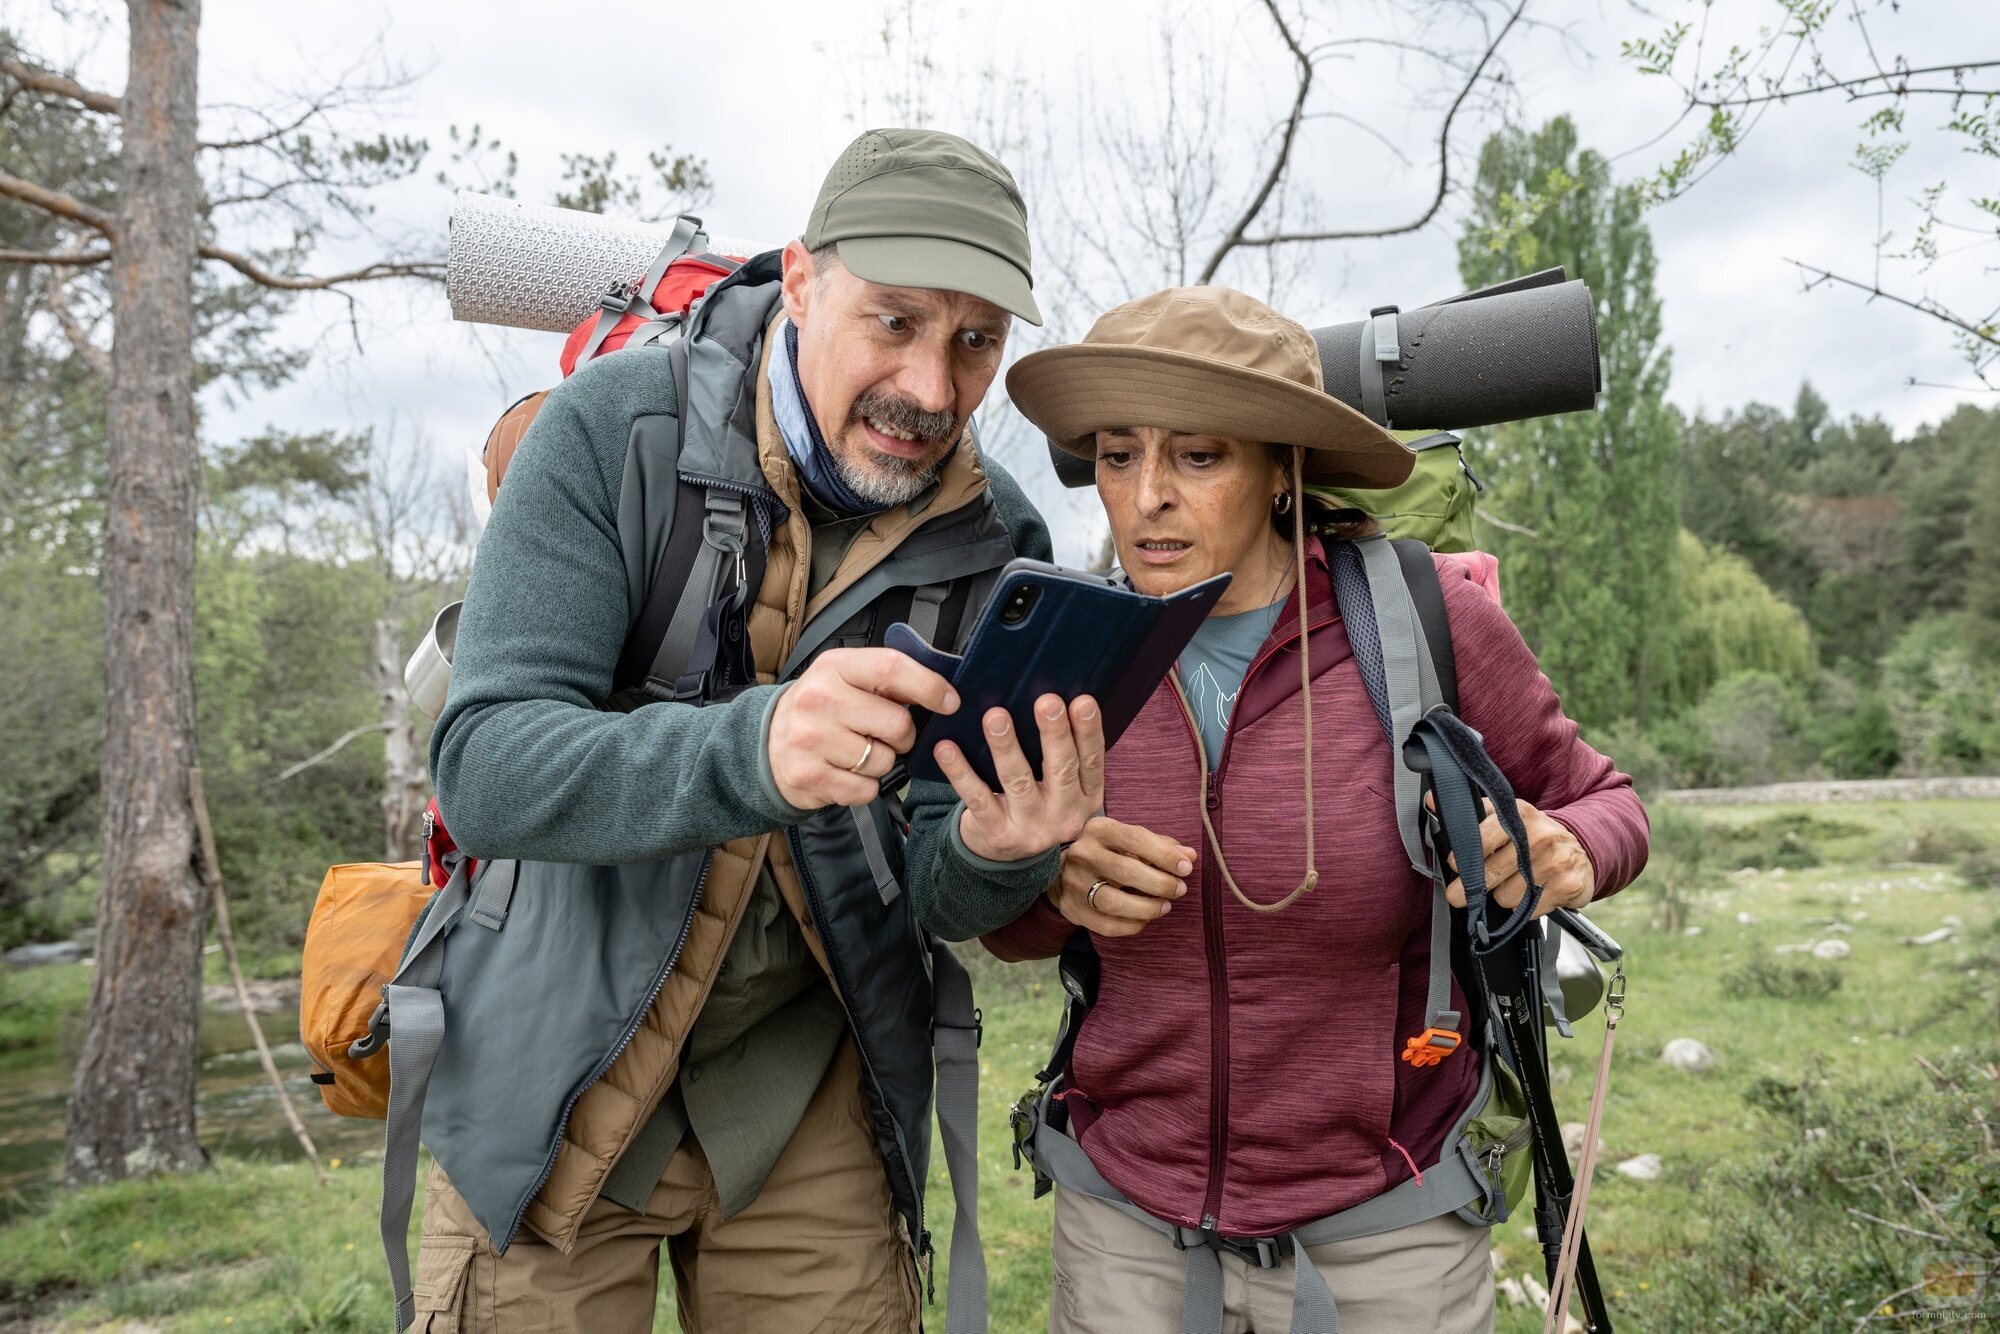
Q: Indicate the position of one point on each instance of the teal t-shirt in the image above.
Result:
(1212, 667)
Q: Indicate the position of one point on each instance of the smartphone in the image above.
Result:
(1050, 630)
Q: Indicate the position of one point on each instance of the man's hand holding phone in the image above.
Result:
(838, 729)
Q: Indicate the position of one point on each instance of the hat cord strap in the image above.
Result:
(1311, 881)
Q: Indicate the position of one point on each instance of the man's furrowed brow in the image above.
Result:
(902, 301)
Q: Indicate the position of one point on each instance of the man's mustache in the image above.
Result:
(906, 416)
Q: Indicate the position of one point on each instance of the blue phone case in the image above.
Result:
(1084, 634)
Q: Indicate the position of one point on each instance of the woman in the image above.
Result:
(1264, 941)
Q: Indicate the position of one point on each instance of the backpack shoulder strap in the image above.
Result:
(1394, 610)
(1427, 597)
(1392, 649)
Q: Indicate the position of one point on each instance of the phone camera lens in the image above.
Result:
(1018, 604)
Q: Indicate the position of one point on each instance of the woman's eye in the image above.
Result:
(1114, 458)
(1199, 458)
(895, 324)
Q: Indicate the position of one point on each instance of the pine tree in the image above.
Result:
(1591, 589)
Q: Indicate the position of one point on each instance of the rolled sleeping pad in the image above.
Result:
(528, 266)
(1521, 349)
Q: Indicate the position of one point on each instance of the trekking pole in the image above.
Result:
(211, 867)
(1520, 1006)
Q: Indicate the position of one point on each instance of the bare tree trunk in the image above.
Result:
(404, 776)
(132, 1108)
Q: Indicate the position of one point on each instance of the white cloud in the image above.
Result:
(769, 95)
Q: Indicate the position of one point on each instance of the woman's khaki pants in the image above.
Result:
(819, 1251)
(1113, 1273)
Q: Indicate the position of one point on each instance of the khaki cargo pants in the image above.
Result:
(820, 1251)
(1113, 1273)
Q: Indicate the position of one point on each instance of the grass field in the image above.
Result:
(255, 1245)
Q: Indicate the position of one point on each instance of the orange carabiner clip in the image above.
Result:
(1430, 1047)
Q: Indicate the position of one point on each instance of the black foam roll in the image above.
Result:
(1477, 360)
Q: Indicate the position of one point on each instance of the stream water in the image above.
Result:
(239, 1113)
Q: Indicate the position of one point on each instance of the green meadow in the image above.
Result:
(1836, 1152)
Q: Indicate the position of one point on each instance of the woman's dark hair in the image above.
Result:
(1328, 518)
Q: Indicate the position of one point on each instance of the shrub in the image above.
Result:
(1862, 742)
(1942, 697)
(1635, 751)
(1817, 1233)
(1752, 729)
(1791, 841)
(1680, 866)
(1783, 981)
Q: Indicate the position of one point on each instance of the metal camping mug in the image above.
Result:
(1577, 973)
(427, 675)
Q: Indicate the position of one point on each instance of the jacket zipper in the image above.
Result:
(624, 1041)
(1218, 963)
(840, 982)
(765, 505)
(1218, 1020)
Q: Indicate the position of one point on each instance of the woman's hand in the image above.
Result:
(1026, 818)
(1562, 867)
(1138, 875)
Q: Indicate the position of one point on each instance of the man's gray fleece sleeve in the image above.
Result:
(526, 765)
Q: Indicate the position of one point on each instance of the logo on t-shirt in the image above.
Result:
(1205, 693)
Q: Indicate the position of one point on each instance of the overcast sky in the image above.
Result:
(769, 93)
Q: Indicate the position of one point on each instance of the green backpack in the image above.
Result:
(1434, 506)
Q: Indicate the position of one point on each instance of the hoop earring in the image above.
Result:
(1281, 503)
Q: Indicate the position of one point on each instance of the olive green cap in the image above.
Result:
(921, 208)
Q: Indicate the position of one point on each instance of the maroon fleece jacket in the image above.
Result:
(1242, 1067)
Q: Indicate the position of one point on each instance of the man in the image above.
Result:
(699, 1009)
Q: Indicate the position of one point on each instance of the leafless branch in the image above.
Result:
(1915, 1232)
(78, 259)
(1444, 161)
(56, 85)
(1898, 90)
(93, 356)
(1503, 525)
(1283, 157)
(211, 867)
(57, 202)
(430, 270)
(271, 135)
(330, 751)
(66, 206)
(1922, 305)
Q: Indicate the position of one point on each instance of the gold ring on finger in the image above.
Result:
(866, 751)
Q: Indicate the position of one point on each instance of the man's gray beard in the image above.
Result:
(891, 482)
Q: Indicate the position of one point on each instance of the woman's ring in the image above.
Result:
(866, 751)
(1091, 897)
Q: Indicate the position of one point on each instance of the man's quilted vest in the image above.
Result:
(566, 1024)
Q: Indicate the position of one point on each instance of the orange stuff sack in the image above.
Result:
(360, 923)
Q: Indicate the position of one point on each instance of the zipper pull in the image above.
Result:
(1215, 792)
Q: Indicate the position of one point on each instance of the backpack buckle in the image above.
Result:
(375, 1038)
(1430, 1047)
(1264, 1252)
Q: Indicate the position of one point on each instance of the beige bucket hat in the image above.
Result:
(1207, 360)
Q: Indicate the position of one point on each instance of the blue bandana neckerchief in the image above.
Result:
(803, 441)
(802, 438)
